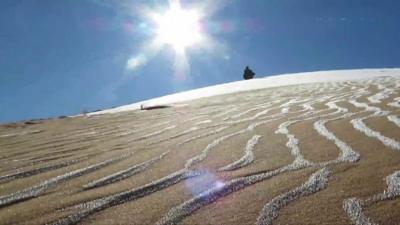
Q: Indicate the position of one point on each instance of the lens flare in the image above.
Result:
(206, 181)
(179, 28)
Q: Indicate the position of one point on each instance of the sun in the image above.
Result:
(180, 28)
(177, 27)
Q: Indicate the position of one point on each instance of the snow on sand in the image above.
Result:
(260, 83)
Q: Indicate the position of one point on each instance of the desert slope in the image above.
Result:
(282, 152)
(259, 83)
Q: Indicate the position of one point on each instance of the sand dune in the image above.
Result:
(239, 158)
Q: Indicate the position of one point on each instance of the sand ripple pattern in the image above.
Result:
(354, 206)
(39, 189)
(111, 159)
(247, 158)
(315, 183)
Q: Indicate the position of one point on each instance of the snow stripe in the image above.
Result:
(203, 155)
(315, 183)
(354, 211)
(203, 122)
(88, 208)
(41, 188)
(395, 103)
(154, 133)
(376, 98)
(132, 131)
(188, 131)
(178, 213)
(354, 207)
(203, 135)
(247, 158)
(293, 142)
(124, 174)
(347, 153)
(395, 119)
(35, 171)
(241, 114)
(361, 126)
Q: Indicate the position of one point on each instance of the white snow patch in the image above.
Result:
(42, 187)
(203, 122)
(361, 126)
(260, 83)
(247, 158)
(188, 131)
(354, 207)
(395, 119)
(385, 93)
(347, 153)
(315, 183)
(123, 174)
(155, 133)
(137, 130)
(395, 103)
(203, 135)
(354, 211)
(293, 142)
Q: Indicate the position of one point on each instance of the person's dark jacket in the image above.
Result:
(248, 73)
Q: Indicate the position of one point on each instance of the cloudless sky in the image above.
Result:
(63, 57)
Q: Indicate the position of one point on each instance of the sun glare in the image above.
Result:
(178, 28)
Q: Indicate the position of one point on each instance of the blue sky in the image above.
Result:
(64, 57)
